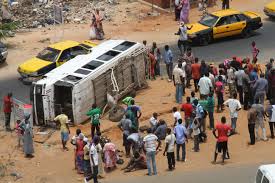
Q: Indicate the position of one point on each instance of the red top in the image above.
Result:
(80, 147)
(187, 108)
(219, 86)
(7, 104)
(196, 71)
(250, 67)
(223, 130)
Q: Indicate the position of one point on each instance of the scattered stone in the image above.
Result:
(16, 175)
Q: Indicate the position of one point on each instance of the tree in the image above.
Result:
(7, 29)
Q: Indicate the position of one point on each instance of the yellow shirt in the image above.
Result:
(63, 119)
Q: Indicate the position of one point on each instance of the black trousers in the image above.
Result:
(94, 175)
(7, 120)
(183, 45)
(171, 160)
(240, 91)
(183, 151)
(177, 13)
(251, 129)
(196, 81)
(225, 4)
(93, 128)
(246, 100)
(271, 126)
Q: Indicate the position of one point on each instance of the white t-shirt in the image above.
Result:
(153, 121)
(177, 72)
(177, 115)
(183, 65)
(195, 131)
(205, 84)
(93, 152)
(183, 33)
(233, 105)
(170, 139)
(150, 142)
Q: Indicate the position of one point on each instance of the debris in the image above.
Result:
(16, 175)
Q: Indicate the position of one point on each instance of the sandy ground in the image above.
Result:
(51, 164)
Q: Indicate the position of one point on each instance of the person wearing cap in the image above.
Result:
(183, 37)
(64, 129)
(7, 110)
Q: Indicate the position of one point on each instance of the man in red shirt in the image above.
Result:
(7, 110)
(224, 131)
(188, 109)
(196, 74)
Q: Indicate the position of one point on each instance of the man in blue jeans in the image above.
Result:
(151, 145)
(178, 79)
(181, 137)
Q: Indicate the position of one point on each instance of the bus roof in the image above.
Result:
(83, 66)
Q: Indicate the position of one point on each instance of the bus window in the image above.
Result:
(108, 55)
(265, 180)
(259, 176)
(124, 46)
(93, 65)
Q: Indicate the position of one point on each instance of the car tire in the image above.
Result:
(206, 40)
(246, 32)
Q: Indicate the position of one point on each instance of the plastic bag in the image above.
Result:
(92, 34)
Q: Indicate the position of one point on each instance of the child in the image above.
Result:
(255, 50)
(19, 131)
(219, 89)
(196, 132)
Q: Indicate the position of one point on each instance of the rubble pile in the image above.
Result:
(42, 14)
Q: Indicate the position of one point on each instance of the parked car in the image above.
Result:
(3, 53)
(266, 174)
(269, 9)
(53, 56)
(223, 23)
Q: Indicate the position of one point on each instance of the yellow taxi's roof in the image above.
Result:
(222, 13)
(63, 45)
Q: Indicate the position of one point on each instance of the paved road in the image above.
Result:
(217, 51)
(219, 174)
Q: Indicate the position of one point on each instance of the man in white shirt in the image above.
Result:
(234, 106)
(154, 121)
(183, 37)
(94, 161)
(150, 147)
(178, 79)
(170, 140)
(176, 115)
(231, 81)
(205, 86)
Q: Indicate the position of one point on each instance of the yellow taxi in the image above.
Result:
(53, 56)
(223, 23)
(269, 9)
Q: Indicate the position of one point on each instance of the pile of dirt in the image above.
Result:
(41, 14)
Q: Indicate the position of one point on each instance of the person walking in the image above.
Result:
(251, 118)
(200, 114)
(151, 146)
(93, 160)
(196, 133)
(28, 138)
(239, 74)
(231, 81)
(125, 126)
(181, 137)
(183, 38)
(224, 131)
(178, 79)
(205, 86)
(270, 111)
(168, 60)
(234, 106)
(225, 4)
(156, 52)
(176, 115)
(255, 50)
(196, 73)
(7, 110)
(64, 129)
(184, 14)
(210, 109)
(219, 89)
(246, 89)
(94, 114)
(260, 89)
(188, 109)
(260, 120)
(169, 149)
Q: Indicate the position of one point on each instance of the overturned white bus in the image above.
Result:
(115, 67)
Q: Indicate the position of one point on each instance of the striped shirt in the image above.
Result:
(150, 142)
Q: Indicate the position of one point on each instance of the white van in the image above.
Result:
(266, 174)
